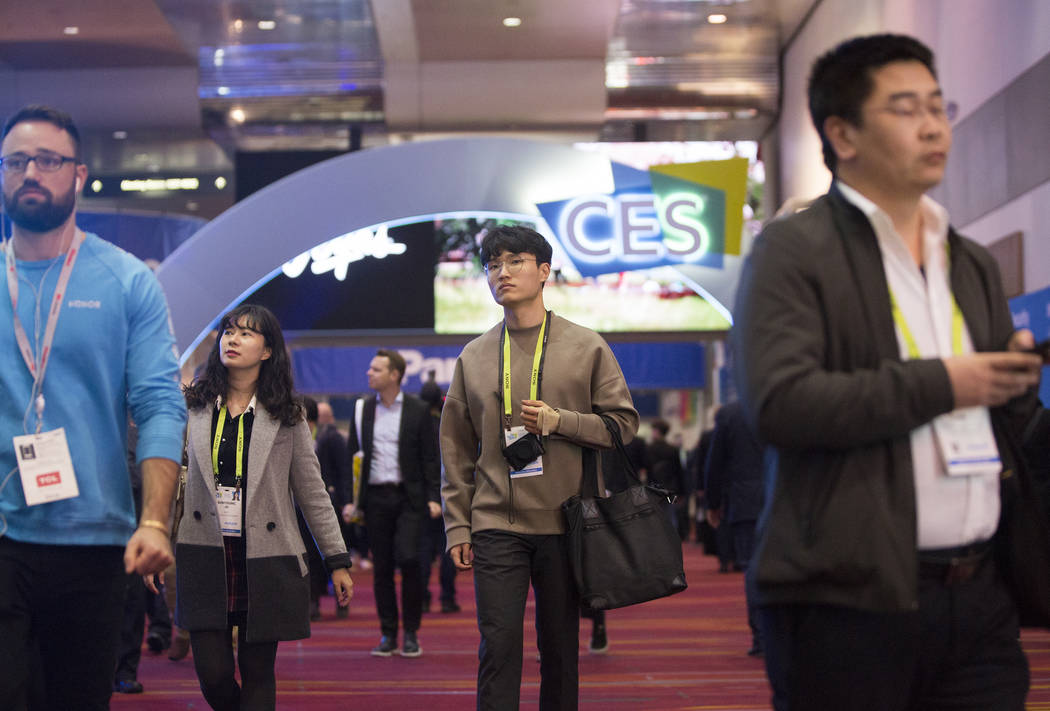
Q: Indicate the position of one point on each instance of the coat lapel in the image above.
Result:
(264, 431)
(201, 443)
(862, 252)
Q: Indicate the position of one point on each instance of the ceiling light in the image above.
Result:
(71, 30)
(120, 135)
(511, 21)
(222, 90)
(717, 19)
(220, 182)
(237, 115)
(267, 24)
(238, 25)
(96, 186)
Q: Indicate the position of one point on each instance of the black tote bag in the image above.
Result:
(623, 548)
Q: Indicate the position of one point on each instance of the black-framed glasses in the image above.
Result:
(513, 265)
(47, 162)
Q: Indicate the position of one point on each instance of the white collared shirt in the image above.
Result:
(220, 401)
(386, 467)
(952, 510)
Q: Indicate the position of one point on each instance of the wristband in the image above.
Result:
(152, 523)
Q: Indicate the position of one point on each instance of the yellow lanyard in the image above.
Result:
(537, 365)
(909, 338)
(239, 470)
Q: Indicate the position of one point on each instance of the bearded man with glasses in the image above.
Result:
(69, 536)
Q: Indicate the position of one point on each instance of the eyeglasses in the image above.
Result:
(47, 162)
(911, 109)
(513, 265)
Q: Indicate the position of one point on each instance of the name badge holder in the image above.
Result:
(228, 499)
(513, 434)
(44, 463)
(964, 437)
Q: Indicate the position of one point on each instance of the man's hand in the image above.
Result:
(462, 556)
(434, 508)
(991, 379)
(714, 517)
(348, 513)
(148, 552)
(538, 417)
(342, 586)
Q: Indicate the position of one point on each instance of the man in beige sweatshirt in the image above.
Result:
(544, 380)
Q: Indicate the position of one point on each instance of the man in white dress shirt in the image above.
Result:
(878, 360)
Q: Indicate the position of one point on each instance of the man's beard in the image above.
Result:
(43, 216)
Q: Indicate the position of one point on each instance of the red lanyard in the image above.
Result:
(36, 366)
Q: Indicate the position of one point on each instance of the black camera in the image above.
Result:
(522, 451)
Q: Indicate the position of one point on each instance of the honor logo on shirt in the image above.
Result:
(82, 304)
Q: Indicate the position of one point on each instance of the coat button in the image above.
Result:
(197, 515)
(270, 526)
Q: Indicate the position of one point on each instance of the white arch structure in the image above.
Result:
(235, 252)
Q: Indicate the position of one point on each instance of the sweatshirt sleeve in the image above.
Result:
(459, 454)
(609, 396)
(154, 396)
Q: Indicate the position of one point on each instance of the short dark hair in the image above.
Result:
(310, 406)
(397, 361)
(516, 239)
(39, 112)
(661, 426)
(841, 79)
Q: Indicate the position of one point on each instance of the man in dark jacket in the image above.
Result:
(400, 483)
(733, 488)
(877, 359)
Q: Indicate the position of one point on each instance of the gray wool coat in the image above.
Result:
(282, 471)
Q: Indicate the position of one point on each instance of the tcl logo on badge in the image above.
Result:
(49, 479)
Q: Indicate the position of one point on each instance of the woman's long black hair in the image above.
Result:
(274, 389)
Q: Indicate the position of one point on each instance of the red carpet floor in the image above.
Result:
(684, 652)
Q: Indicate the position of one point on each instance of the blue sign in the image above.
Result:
(1032, 311)
(341, 370)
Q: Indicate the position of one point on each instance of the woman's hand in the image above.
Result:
(342, 586)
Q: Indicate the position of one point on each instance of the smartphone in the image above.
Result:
(1042, 349)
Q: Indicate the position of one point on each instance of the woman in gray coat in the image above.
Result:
(240, 556)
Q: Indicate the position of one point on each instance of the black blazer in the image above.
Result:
(417, 452)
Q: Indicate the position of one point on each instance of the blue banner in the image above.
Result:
(342, 370)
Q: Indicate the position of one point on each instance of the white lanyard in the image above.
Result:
(37, 369)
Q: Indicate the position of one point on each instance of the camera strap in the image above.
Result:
(537, 367)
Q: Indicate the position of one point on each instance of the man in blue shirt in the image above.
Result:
(85, 339)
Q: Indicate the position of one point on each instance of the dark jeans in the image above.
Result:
(960, 650)
(504, 565)
(60, 612)
(140, 603)
(213, 660)
(432, 545)
(393, 534)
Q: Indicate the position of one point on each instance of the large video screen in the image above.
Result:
(424, 274)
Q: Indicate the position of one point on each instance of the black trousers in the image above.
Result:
(743, 547)
(504, 565)
(60, 614)
(432, 545)
(393, 534)
(213, 661)
(960, 650)
(140, 603)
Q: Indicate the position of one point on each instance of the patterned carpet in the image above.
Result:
(685, 653)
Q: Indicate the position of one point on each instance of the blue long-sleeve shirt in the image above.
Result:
(113, 352)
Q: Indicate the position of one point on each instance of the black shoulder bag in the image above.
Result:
(623, 547)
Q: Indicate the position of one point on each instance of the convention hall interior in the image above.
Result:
(337, 161)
